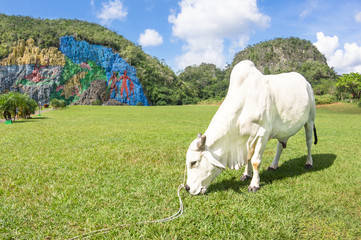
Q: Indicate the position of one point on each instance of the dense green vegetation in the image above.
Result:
(56, 103)
(158, 80)
(195, 84)
(86, 168)
(203, 82)
(14, 104)
(349, 84)
(292, 54)
(280, 55)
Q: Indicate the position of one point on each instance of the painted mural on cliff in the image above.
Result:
(67, 72)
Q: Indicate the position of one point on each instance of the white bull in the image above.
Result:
(257, 108)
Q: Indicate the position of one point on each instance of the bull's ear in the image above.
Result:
(202, 143)
(212, 160)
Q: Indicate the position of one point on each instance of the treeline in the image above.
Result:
(154, 75)
(196, 83)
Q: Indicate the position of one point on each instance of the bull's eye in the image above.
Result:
(193, 163)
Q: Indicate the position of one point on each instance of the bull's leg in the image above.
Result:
(259, 147)
(248, 171)
(309, 131)
(274, 164)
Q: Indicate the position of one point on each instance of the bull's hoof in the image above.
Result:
(253, 189)
(308, 166)
(245, 177)
(271, 169)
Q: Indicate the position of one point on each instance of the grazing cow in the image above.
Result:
(257, 108)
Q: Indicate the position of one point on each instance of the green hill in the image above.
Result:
(158, 80)
(291, 55)
(160, 84)
(280, 55)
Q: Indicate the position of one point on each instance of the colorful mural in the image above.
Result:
(67, 72)
(81, 52)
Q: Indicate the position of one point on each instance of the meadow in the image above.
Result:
(83, 168)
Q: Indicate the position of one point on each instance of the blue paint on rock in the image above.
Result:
(82, 51)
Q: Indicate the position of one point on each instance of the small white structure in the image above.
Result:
(257, 108)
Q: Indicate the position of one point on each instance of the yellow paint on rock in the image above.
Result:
(73, 84)
(27, 53)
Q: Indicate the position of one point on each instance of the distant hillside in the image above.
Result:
(33, 60)
(280, 55)
(153, 75)
(289, 54)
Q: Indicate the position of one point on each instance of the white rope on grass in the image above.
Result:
(171, 218)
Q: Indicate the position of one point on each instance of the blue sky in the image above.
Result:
(187, 32)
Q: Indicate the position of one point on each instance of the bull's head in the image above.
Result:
(202, 167)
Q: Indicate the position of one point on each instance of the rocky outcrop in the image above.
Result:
(25, 53)
(281, 55)
(13, 78)
(69, 73)
(40, 93)
(114, 66)
(113, 102)
(97, 91)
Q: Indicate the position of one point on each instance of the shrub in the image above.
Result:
(62, 103)
(325, 99)
(56, 103)
(97, 102)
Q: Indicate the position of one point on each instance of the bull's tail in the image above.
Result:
(315, 134)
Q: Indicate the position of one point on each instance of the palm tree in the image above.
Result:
(8, 105)
(27, 106)
(15, 104)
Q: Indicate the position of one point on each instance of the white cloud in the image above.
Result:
(326, 45)
(92, 4)
(110, 11)
(358, 17)
(310, 6)
(202, 50)
(204, 25)
(150, 37)
(344, 60)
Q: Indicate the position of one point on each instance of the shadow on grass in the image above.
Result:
(291, 168)
(33, 119)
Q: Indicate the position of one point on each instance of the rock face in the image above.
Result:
(14, 78)
(69, 72)
(97, 91)
(27, 53)
(113, 102)
(126, 86)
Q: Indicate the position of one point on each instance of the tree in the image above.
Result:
(4, 111)
(203, 82)
(9, 105)
(15, 104)
(56, 103)
(28, 108)
(350, 84)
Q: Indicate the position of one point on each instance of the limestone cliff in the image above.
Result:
(25, 52)
(66, 73)
(97, 91)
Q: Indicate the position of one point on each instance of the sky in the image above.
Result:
(187, 32)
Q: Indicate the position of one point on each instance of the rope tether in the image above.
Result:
(173, 217)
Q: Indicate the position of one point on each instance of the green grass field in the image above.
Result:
(85, 168)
